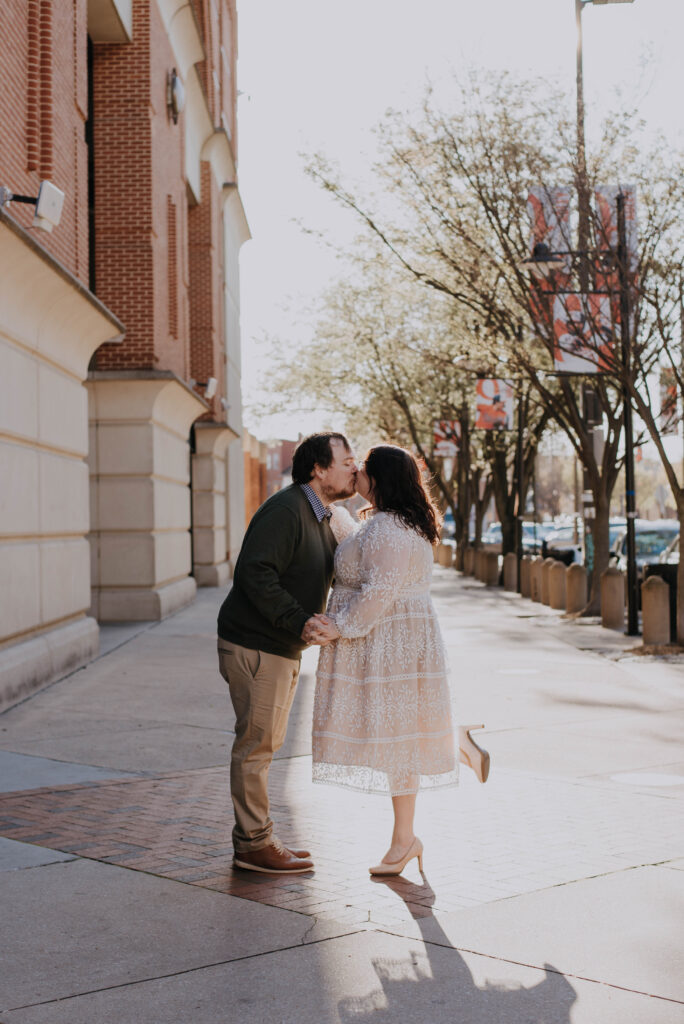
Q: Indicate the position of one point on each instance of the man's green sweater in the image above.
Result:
(282, 576)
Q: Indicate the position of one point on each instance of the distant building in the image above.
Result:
(279, 464)
(121, 453)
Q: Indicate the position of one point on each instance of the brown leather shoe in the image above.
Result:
(303, 854)
(273, 859)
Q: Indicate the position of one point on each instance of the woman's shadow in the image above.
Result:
(433, 984)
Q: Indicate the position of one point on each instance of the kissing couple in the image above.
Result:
(382, 720)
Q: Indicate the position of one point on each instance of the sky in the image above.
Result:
(317, 76)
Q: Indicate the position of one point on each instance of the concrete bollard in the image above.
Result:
(491, 569)
(535, 578)
(612, 599)
(547, 565)
(575, 589)
(510, 571)
(525, 566)
(557, 586)
(445, 554)
(655, 603)
(469, 560)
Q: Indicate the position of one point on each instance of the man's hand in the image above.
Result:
(319, 629)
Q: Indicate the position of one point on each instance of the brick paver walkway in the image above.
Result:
(514, 835)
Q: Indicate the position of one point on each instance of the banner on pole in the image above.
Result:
(583, 333)
(494, 404)
(447, 438)
(607, 225)
(549, 212)
(668, 400)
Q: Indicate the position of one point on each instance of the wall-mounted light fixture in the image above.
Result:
(48, 204)
(175, 95)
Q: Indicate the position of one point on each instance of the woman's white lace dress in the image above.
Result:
(383, 711)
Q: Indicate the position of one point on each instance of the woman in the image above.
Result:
(382, 709)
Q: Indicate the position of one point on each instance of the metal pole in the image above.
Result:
(632, 591)
(521, 489)
(582, 196)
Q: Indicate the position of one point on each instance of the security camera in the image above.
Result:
(48, 206)
(210, 389)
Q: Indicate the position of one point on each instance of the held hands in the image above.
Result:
(319, 629)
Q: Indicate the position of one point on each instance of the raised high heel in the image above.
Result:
(471, 754)
(396, 868)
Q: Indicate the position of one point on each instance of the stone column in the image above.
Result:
(613, 599)
(491, 568)
(535, 578)
(557, 586)
(575, 589)
(445, 554)
(50, 325)
(209, 541)
(510, 571)
(545, 569)
(140, 493)
(655, 601)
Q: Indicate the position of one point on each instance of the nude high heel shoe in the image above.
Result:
(396, 868)
(471, 754)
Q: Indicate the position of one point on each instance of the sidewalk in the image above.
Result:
(554, 894)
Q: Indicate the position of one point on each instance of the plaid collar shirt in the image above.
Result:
(320, 510)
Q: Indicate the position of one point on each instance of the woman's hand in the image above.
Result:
(323, 630)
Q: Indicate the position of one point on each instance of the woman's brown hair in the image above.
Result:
(398, 487)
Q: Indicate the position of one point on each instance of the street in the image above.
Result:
(554, 893)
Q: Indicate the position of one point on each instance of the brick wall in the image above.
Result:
(159, 261)
(140, 206)
(43, 109)
(205, 264)
(158, 264)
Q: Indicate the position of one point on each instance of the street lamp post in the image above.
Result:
(583, 274)
(543, 264)
(630, 507)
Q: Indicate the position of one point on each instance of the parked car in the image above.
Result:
(493, 536)
(565, 543)
(652, 537)
(448, 526)
(670, 556)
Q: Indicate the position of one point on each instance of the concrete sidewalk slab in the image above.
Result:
(576, 739)
(78, 926)
(15, 856)
(622, 929)
(363, 977)
(149, 747)
(26, 771)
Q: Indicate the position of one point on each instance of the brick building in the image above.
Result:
(279, 464)
(121, 448)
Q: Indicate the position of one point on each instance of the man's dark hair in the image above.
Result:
(314, 450)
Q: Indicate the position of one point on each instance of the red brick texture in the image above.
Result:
(42, 111)
(158, 261)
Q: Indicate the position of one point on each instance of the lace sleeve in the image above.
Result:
(385, 556)
(342, 523)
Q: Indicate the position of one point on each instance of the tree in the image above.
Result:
(452, 215)
(389, 355)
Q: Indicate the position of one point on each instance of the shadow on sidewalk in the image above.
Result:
(435, 982)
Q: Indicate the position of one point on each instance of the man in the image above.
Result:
(280, 587)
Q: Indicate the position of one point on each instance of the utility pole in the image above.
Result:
(630, 503)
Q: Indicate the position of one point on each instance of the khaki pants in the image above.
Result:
(262, 688)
